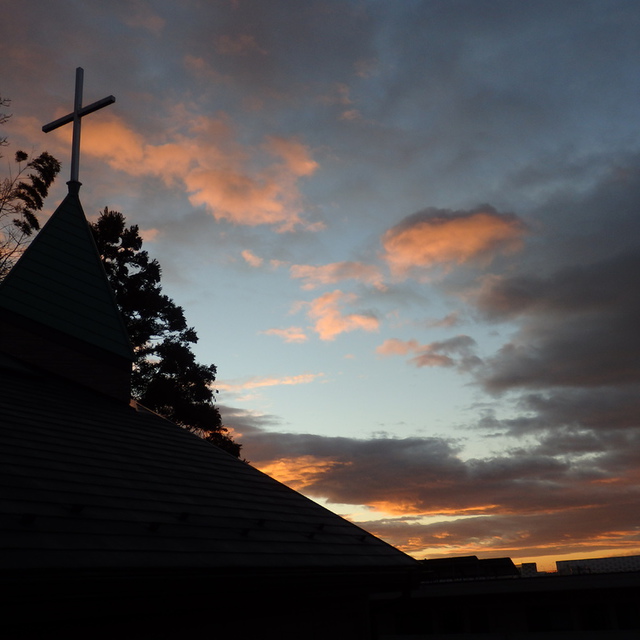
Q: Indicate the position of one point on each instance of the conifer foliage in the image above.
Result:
(166, 376)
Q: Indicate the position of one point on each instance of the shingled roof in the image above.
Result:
(91, 483)
(88, 481)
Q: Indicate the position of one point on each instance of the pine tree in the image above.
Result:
(166, 376)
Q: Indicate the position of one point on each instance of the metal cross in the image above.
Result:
(78, 112)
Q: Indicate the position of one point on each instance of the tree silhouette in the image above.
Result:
(22, 195)
(166, 376)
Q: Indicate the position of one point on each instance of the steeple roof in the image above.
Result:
(57, 310)
(60, 282)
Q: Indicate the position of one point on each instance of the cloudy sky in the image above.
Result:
(407, 234)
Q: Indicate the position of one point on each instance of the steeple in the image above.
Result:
(57, 310)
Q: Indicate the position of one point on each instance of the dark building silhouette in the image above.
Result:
(491, 599)
(115, 521)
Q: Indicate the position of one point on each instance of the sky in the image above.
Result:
(406, 233)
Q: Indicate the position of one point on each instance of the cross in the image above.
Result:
(78, 112)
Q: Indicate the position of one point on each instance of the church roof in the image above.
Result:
(60, 283)
(91, 483)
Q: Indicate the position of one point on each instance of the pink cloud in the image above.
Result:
(335, 272)
(443, 238)
(149, 235)
(291, 334)
(257, 383)
(395, 347)
(326, 312)
(252, 259)
(294, 153)
(241, 184)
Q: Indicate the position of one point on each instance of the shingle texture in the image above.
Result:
(89, 482)
(60, 282)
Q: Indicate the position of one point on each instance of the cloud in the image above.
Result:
(395, 347)
(444, 238)
(578, 326)
(290, 334)
(242, 184)
(338, 94)
(427, 476)
(351, 115)
(435, 354)
(294, 153)
(335, 272)
(244, 422)
(252, 259)
(450, 320)
(257, 383)
(597, 531)
(149, 235)
(330, 322)
(603, 409)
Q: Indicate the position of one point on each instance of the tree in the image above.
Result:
(22, 195)
(4, 102)
(166, 376)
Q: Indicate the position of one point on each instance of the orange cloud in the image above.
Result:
(255, 383)
(149, 235)
(298, 473)
(291, 334)
(331, 273)
(444, 238)
(294, 153)
(329, 321)
(252, 259)
(244, 185)
(395, 347)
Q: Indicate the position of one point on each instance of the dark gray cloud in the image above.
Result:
(608, 408)
(458, 351)
(578, 321)
(429, 475)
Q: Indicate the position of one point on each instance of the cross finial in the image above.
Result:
(75, 116)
